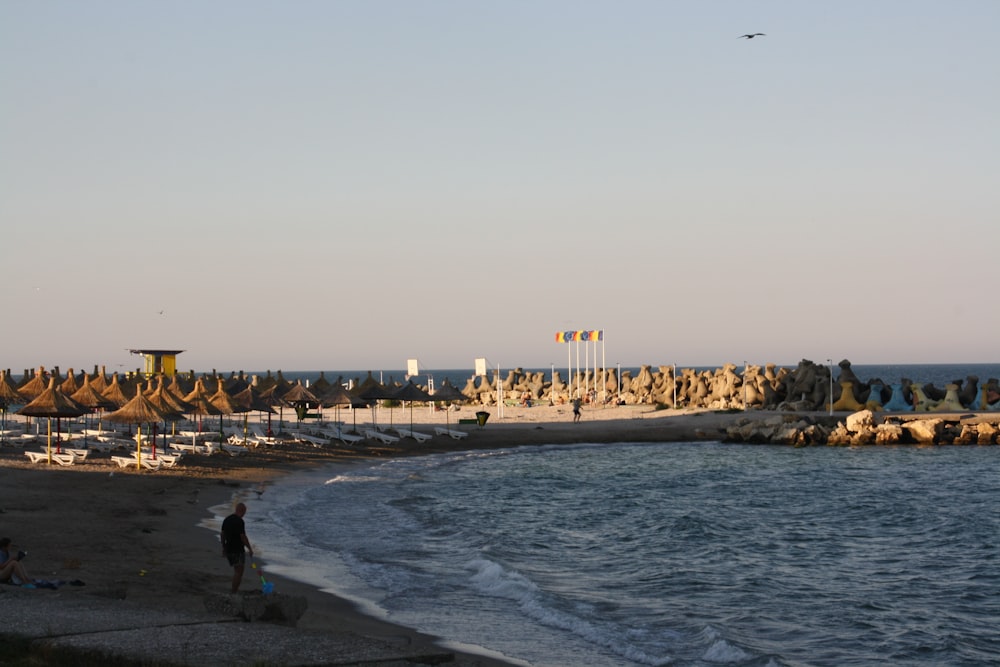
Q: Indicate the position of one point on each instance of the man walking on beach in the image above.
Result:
(235, 543)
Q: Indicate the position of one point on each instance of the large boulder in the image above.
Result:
(860, 421)
(986, 433)
(924, 431)
(888, 434)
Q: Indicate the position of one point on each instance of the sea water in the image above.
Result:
(661, 554)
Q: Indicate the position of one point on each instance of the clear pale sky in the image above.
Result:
(346, 185)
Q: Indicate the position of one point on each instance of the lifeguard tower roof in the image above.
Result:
(159, 361)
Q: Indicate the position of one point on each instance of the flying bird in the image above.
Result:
(756, 34)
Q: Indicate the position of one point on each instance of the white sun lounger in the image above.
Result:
(167, 460)
(451, 433)
(36, 457)
(80, 454)
(124, 461)
(259, 438)
(407, 433)
(63, 459)
(151, 464)
(234, 450)
(347, 438)
(384, 438)
(315, 442)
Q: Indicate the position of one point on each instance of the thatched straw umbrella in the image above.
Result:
(36, 385)
(69, 385)
(447, 393)
(250, 401)
(52, 403)
(411, 393)
(115, 392)
(177, 388)
(337, 396)
(172, 406)
(236, 383)
(225, 404)
(139, 410)
(197, 398)
(320, 386)
(299, 398)
(9, 395)
(98, 380)
(270, 396)
(373, 391)
(89, 398)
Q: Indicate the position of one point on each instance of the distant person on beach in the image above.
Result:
(235, 543)
(576, 410)
(11, 569)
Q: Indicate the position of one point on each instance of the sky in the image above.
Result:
(351, 184)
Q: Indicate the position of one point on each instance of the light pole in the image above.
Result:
(829, 363)
(552, 384)
(675, 385)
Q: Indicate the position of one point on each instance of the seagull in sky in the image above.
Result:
(749, 36)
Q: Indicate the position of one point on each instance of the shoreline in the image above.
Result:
(143, 536)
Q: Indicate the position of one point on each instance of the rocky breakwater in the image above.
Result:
(866, 428)
(809, 387)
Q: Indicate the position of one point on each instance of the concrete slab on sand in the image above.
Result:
(93, 624)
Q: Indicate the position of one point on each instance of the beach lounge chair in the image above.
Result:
(258, 437)
(348, 438)
(451, 433)
(315, 442)
(407, 433)
(124, 461)
(208, 448)
(384, 438)
(63, 459)
(36, 457)
(167, 460)
(151, 464)
(183, 447)
(234, 450)
(80, 454)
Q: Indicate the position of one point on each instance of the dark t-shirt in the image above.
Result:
(232, 533)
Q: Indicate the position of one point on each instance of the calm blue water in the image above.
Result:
(662, 554)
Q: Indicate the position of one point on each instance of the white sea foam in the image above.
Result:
(722, 651)
(493, 579)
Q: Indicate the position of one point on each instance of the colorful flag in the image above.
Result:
(581, 335)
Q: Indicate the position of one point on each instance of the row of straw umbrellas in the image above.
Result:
(154, 402)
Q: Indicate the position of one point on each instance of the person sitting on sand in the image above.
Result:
(11, 569)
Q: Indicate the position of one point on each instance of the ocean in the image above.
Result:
(661, 554)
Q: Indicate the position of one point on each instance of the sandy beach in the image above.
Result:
(135, 535)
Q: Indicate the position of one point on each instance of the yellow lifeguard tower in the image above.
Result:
(159, 361)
